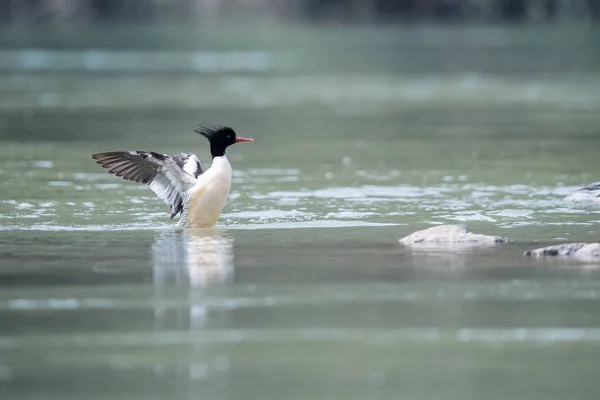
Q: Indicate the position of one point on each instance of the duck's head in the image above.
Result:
(220, 137)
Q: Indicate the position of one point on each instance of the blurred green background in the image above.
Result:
(371, 120)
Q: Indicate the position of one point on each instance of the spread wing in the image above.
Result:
(167, 176)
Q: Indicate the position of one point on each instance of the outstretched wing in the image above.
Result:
(161, 172)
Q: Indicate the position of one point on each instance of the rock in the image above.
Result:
(588, 194)
(572, 250)
(450, 235)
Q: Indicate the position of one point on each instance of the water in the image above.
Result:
(302, 291)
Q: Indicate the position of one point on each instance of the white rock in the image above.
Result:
(588, 194)
(573, 250)
(450, 235)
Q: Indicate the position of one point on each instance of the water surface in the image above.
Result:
(302, 290)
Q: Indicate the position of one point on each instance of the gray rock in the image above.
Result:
(450, 236)
(572, 250)
(589, 194)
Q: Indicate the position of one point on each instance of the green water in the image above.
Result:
(362, 136)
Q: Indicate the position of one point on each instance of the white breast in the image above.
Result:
(210, 194)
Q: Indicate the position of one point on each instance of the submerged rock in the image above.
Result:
(450, 235)
(588, 194)
(573, 250)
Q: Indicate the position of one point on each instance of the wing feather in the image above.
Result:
(189, 163)
(165, 175)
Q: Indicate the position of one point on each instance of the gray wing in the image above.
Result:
(189, 163)
(162, 173)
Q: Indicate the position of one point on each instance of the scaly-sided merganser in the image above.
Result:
(179, 179)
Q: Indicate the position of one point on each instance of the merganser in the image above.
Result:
(199, 196)
(587, 194)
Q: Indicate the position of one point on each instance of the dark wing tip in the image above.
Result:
(99, 157)
(129, 165)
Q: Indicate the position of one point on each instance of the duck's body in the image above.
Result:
(206, 199)
(199, 196)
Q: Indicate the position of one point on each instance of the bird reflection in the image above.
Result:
(196, 257)
(185, 261)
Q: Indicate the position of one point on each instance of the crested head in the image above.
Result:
(220, 137)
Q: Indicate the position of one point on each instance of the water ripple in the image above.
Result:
(373, 337)
(254, 204)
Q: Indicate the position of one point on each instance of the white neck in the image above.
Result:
(210, 194)
(221, 167)
(217, 176)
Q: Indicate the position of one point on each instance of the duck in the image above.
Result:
(197, 196)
